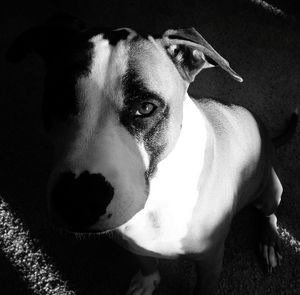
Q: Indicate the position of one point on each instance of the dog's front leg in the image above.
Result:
(146, 280)
(208, 269)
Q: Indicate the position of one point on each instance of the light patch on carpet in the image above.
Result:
(24, 254)
(289, 239)
(34, 266)
(269, 7)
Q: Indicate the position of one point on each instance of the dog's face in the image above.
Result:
(113, 109)
(127, 116)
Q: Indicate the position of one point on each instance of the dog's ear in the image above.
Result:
(47, 40)
(191, 53)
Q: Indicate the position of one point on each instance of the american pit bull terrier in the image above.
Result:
(136, 157)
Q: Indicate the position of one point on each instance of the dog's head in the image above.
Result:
(113, 109)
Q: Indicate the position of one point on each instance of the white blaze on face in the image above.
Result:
(90, 93)
(98, 94)
(103, 85)
(173, 190)
(102, 51)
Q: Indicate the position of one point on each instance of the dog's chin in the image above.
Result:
(82, 234)
(92, 234)
(97, 230)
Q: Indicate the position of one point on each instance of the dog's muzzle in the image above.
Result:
(79, 202)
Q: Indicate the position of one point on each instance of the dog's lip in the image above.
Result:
(94, 229)
(61, 226)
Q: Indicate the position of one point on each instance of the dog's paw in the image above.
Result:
(143, 285)
(269, 249)
(270, 255)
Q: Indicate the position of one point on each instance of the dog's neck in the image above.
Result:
(186, 157)
(174, 189)
(175, 185)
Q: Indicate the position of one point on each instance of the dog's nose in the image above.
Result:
(80, 201)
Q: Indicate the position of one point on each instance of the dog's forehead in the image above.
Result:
(108, 65)
(98, 45)
(108, 59)
(114, 60)
(153, 66)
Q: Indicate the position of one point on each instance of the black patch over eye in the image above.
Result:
(142, 108)
(145, 115)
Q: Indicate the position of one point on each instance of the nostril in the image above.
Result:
(80, 201)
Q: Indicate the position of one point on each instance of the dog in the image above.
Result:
(136, 157)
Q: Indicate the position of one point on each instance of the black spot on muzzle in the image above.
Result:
(80, 202)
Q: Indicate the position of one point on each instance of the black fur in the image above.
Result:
(64, 44)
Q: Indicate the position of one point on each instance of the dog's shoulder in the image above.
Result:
(235, 129)
(226, 117)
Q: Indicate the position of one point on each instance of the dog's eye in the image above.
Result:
(145, 109)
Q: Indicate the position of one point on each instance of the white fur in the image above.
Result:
(173, 191)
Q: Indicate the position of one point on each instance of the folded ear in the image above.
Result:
(46, 39)
(191, 53)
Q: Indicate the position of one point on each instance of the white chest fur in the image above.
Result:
(163, 223)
